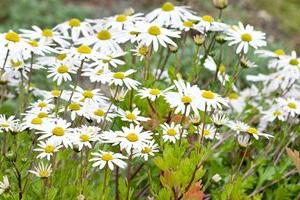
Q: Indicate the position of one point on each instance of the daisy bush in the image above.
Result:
(172, 104)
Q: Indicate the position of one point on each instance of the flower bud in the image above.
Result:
(220, 39)
(220, 4)
(173, 48)
(199, 39)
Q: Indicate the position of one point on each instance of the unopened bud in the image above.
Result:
(199, 39)
(173, 48)
(220, 39)
(220, 4)
(128, 11)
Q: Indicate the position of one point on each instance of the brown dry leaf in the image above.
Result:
(294, 155)
(194, 193)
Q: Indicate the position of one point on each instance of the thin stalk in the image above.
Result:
(5, 60)
(75, 86)
(181, 123)
(203, 125)
(30, 73)
(105, 179)
(128, 173)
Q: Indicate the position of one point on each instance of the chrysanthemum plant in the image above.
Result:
(156, 106)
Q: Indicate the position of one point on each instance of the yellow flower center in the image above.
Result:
(208, 18)
(49, 148)
(16, 64)
(154, 30)
(252, 130)
(121, 18)
(277, 113)
(119, 75)
(107, 157)
(206, 132)
(99, 112)
(62, 69)
(292, 105)
(222, 69)
(12, 37)
(4, 125)
(208, 94)
(42, 115)
(233, 96)
(43, 173)
(146, 150)
(294, 62)
(246, 37)
(61, 56)
(104, 35)
(36, 121)
(143, 50)
(55, 93)
(132, 137)
(84, 138)
(130, 116)
(33, 43)
(155, 91)
(171, 132)
(188, 24)
(100, 72)
(84, 49)
(42, 104)
(186, 99)
(279, 52)
(167, 7)
(74, 22)
(88, 94)
(74, 106)
(58, 131)
(47, 32)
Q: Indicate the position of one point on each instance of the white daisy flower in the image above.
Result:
(275, 112)
(237, 126)
(244, 140)
(108, 158)
(121, 79)
(81, 53)
(34, 121)
(133, 138)
(74, 28)
(98, 74)
(152, 93)
(278, 53)
(209, 132)
(148, 150)
(88, 95)
(185, 99)
(141, 51)
(7, 124)
(42, 170)
(219, 119)
(256, 133)
(57, 130)
(76, 109)
(132, 116)
(105, 40)
(171, 133)
(236, 102)
(99, 112)
(290, 105)
(185, 26)
(208, 23)
(155, 35)
(42, 105)
(211, 100)
(37, 48)
(245, 37)
(13, 43)
(85, 135)
(47, 36)
(290, 62)
(47, 149)
(169, 14)
(4, 185)
(61, 73)
(123, 21)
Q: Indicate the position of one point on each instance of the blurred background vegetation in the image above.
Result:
(280, 19)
